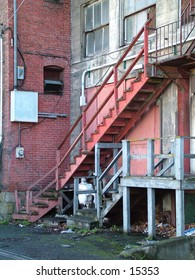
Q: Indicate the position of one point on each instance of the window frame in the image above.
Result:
(135, 12)
(92, 31)
(53, 80)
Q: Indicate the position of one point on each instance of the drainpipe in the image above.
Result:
(15, 47)
(1, 83)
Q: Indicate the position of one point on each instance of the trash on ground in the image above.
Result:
(67, 231)
(190, 231)
(66, 246)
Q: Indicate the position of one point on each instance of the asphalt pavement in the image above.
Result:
(56, 242)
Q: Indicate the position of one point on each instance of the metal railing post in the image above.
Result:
(145, 49)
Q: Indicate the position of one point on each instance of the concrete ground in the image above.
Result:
(52, 242)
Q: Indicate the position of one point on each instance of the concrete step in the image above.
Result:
(91, 213)
(78, 221)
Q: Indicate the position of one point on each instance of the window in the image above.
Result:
(53, 83)
(97, 27)
(136, 13)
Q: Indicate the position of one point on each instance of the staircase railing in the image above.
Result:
(113, 74)
(54, 173)
(171, 38)
(176, 164)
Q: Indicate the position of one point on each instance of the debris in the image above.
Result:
(66, 246)
(20, 225)
(190, 231)
(40, 226)
(128, 247)
(67, 231)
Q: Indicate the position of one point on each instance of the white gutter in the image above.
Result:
(1, 86)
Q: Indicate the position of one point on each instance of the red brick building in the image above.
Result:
(35, 62)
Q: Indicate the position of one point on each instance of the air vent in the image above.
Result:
(51, 86)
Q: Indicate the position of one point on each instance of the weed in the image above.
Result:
(4, 222)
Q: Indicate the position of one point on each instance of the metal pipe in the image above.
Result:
(83, 97)
(15, 46)
(52, 115)
(1, 84)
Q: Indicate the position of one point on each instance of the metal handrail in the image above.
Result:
(116, 84)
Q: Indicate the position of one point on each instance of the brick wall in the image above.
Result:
(43, 40)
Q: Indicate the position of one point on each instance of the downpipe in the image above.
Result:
(1, 85)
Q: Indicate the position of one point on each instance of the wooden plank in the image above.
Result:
(150, 157)
(180, 223)
(150, 182)
(126, 158)
(179, 158)
(126, 210)
(151, 212)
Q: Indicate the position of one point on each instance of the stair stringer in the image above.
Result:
(122, 104)
(111, 203)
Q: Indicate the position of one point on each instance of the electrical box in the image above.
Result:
(20, 73)
(19, 152)
(24, 106)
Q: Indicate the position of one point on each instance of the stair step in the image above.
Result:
(40, 205)
(92, 213)
(18, 216)
(78, 221)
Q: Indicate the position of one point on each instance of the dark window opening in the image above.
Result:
(53, 83)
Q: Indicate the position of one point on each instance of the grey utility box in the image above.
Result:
(24, 106)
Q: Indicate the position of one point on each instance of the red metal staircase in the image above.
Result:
(126, 98)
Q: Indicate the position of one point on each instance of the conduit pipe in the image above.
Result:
(15, 47)
(83, 97)
(1, 84)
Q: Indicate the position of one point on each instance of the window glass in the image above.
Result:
(97, 14)
(90, 43)
(105, 11)
(106, 38)
(135, 16)
(97, 27)
(98, 40)
(88, 18)
(131, 6)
